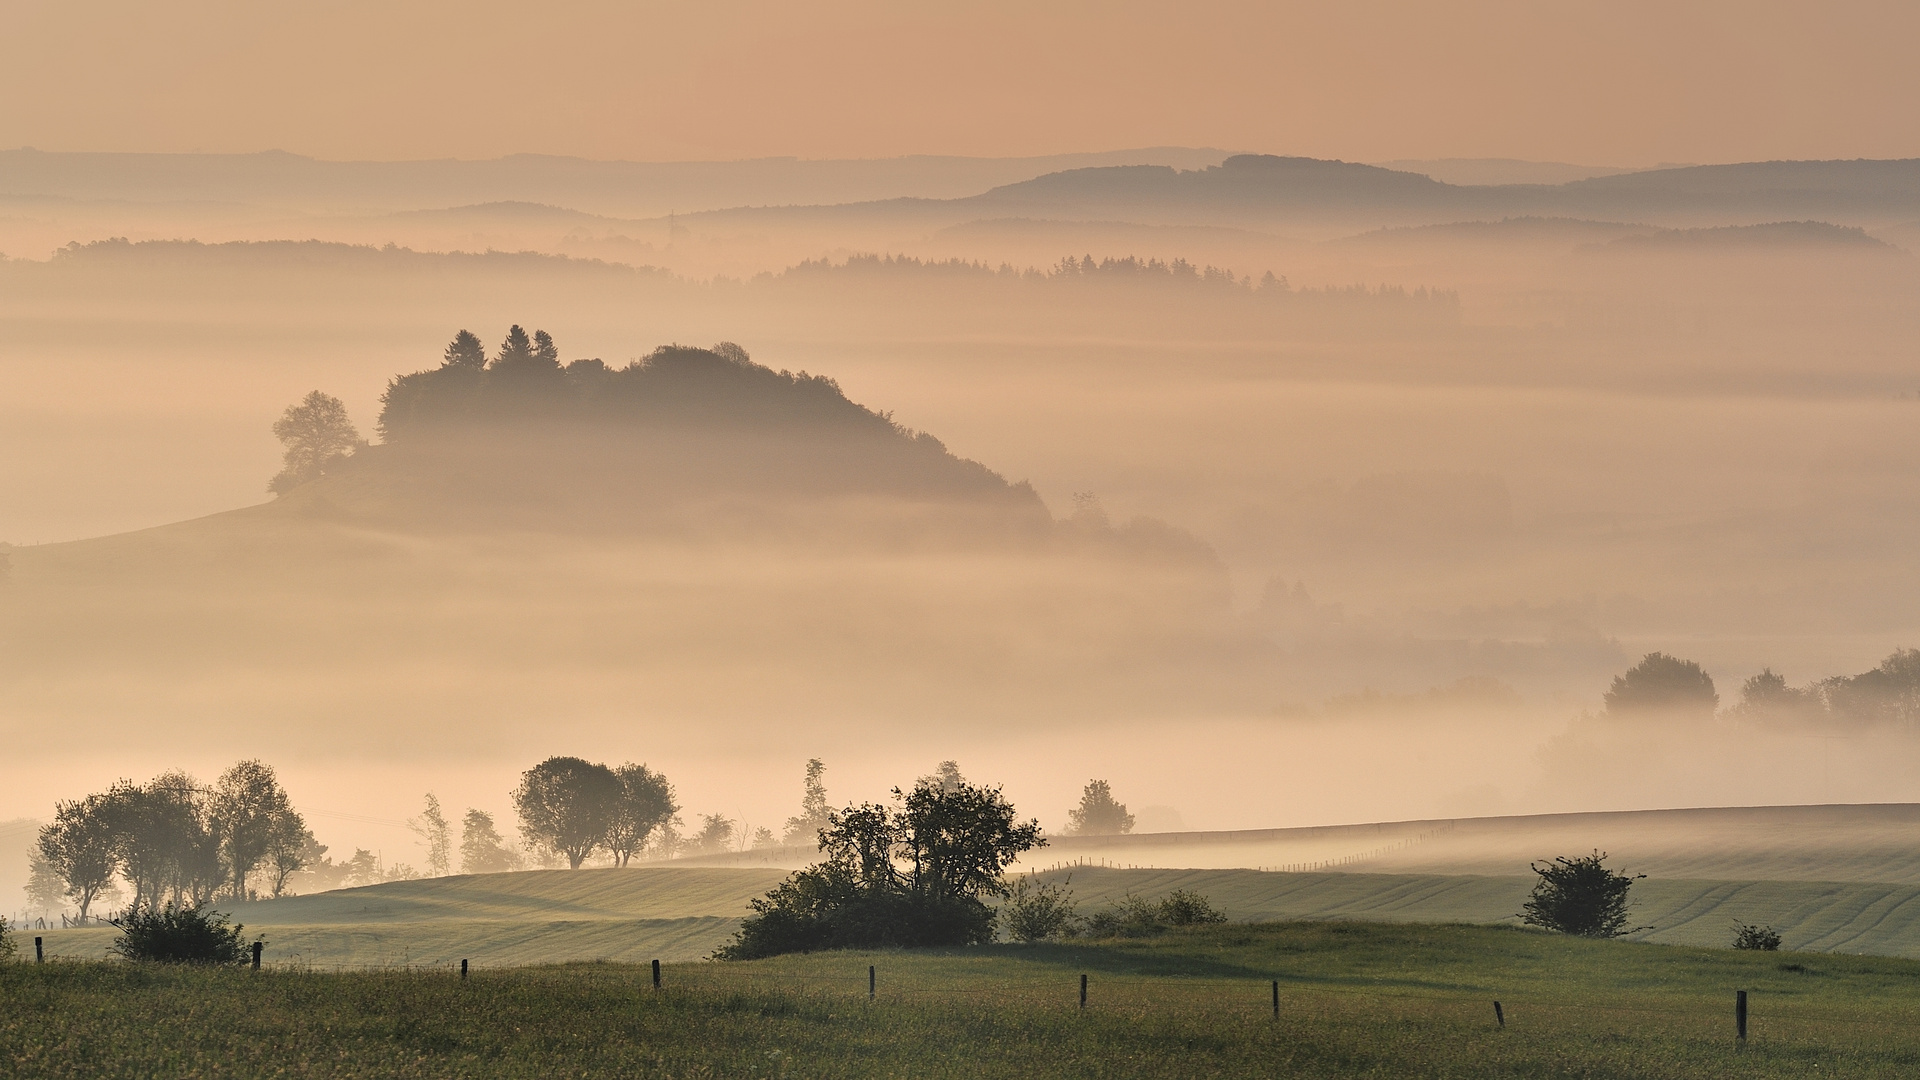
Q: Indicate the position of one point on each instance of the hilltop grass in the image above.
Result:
(1356, 1000)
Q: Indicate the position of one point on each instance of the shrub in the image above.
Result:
(179, 935)
(1762, 938)
(1580, 897)
(1035, 912)
(7, 942)
(1131, 916)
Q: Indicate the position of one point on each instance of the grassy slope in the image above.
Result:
(1357, 1000)
(683, 913)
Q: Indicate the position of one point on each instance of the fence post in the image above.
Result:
(1499, 1017)
(463, 968)
(1083, 991)
(656, 974)
(257, 946)
(39, 951)
(1740, 1014)
(870, 982)
(1276, 999)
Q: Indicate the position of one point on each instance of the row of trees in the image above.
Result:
(174, 839)
(1666, 687)
(576, 807)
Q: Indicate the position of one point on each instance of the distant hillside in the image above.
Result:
(1777, 234)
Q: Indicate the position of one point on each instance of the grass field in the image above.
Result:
(642, 914)
(1356, 1000)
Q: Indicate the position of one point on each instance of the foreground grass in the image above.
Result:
(1356, 1000)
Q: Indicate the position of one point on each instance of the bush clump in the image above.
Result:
(1132, 916)
(1035, 912)
(1580, 897)
(179, 935)
(1761, 938)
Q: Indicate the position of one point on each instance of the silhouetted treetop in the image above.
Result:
(525, 381)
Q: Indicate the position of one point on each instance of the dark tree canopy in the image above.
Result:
(644, 804)
(1662, 685)
(909, 874)
(1098, 813)
(569, 805)
(1580, 897)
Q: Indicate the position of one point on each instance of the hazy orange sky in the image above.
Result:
(1621, 83)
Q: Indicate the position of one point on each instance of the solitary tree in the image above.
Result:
(1098, 814)
(482, 850)
(247, 808)
(1662, 685)
(432, 828)
(813, 805)
(81, 845)
(903, 875)
(946, 776)
(1580, 897)
(568, 805)
(645, 803)
(317, 435)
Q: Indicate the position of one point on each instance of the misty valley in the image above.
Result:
(1160, 613)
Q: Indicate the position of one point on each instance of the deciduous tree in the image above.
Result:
(1098, 814)
(317, 435)
(568, 804)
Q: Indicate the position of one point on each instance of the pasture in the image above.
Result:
(1355, 1000)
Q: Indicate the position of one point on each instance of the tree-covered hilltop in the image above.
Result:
(705, 436)
(526, 381)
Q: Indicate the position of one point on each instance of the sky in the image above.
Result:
(1626, 83)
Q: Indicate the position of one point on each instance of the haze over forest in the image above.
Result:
(1274, 489)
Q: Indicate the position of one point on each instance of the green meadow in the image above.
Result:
(1356, 999)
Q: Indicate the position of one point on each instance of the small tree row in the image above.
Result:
(176, 840)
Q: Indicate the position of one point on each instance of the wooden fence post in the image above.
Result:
(1740, 1014)
(1276, 999)
(656, 974)
(1083, 991)
(1499, 1017)
(257, 946)
(39, 951)
(870, 982)
(463, 969)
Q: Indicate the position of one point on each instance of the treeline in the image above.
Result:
(1667, 687)
(1086, 270)
(174, 840)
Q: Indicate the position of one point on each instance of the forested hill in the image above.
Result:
(521, 437)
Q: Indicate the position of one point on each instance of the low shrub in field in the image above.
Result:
(1132, 916)
(1763, 938)
(1580, 897)
(1035, 912)
(7, 943)
(179, 935)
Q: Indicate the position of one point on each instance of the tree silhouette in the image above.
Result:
(317, 435)
(79, 843)
(645, 803)
(1580, 897)
(465, 352)
(814, 810)
(569, 805)
(482, 850)
(1098, 814)
(1662, 685)
(247, 809)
